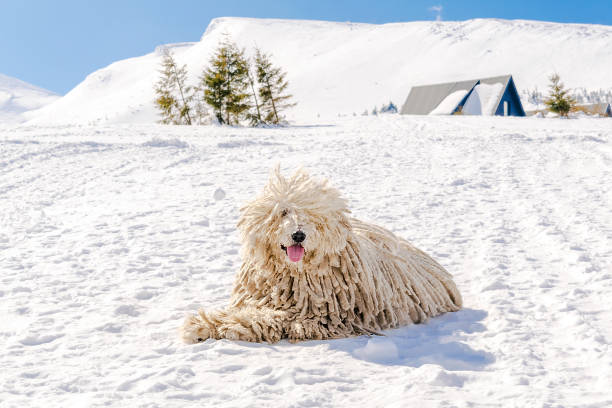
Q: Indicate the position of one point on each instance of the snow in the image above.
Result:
(448, 104)
(17, 97)
(483, 100)
(344, 68)
(110, 234)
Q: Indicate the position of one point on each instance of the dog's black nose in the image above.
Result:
(298, 236)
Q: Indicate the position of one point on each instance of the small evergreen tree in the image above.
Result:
(173, 96)
(225, 82)
(272, 88)
(559, 100)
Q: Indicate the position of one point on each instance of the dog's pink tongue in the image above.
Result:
(295, 252)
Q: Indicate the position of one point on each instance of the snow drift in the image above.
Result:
(483, 100)
(343, 68)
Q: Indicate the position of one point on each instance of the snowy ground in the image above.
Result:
(109, 235)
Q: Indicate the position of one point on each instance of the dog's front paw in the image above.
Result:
(307, 329)
(197, 328)
(236, 331)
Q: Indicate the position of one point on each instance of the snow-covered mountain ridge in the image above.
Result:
(343, 68)
(17, 96)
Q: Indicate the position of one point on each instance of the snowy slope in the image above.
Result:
(110, 234)
(17, 97)
(341, 68)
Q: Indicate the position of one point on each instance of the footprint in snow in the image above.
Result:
(145, 295)
(37, 340)
(459, 182)
(263, 371)
(129, 310)
(111, 328)
(219, 194)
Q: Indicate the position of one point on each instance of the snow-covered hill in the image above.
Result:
(344, 68)
(110, 234)
(17, 97)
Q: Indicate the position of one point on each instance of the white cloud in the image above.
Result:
(438, 11)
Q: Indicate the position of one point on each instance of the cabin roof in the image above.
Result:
(423, 99)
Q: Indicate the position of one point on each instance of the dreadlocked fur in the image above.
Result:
(354, 277)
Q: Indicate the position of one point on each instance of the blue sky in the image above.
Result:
(56, 44)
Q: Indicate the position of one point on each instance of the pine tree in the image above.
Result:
(559, 100)
(166, 102)
(272, 87)
(225, 82)
(173, 96)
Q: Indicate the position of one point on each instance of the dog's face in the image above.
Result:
(295, 220)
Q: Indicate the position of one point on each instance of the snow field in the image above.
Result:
(109, 235)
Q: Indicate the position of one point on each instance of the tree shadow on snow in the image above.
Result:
(436, 342)
(311, 126)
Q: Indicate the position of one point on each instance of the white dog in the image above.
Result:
(311, 272)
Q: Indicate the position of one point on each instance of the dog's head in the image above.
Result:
(299, 219)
